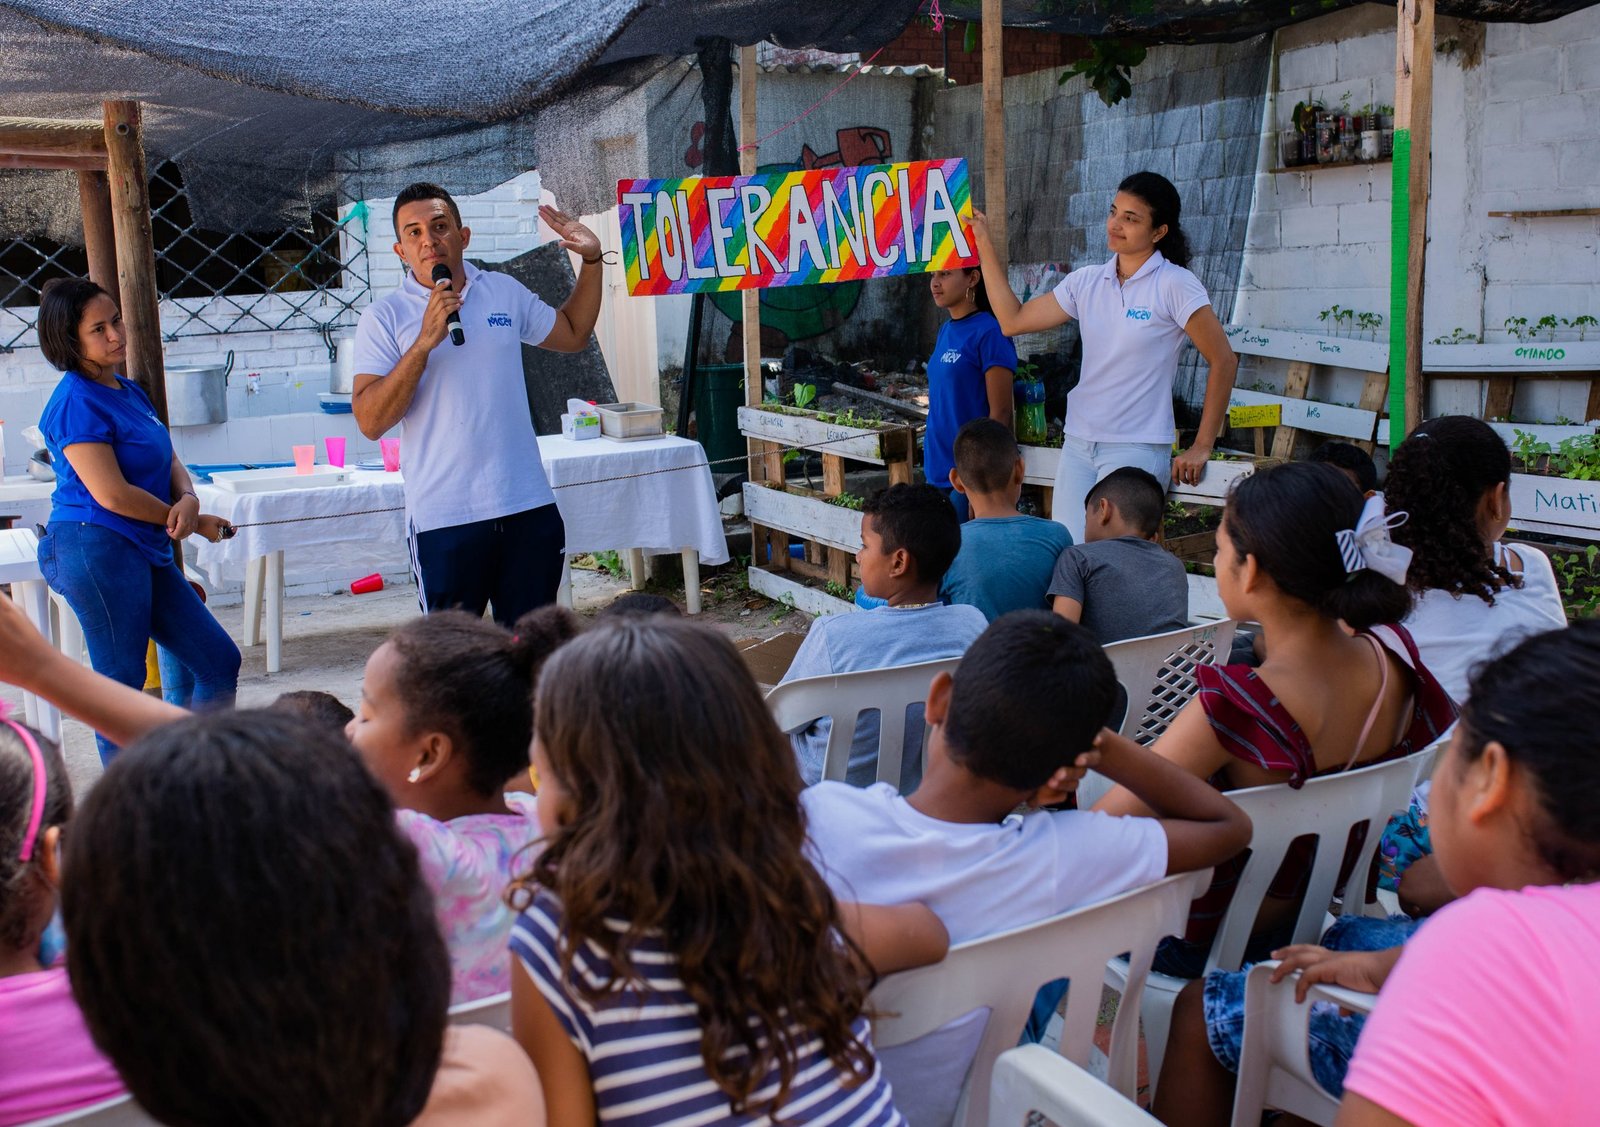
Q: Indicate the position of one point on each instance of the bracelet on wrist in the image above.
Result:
(601, 257)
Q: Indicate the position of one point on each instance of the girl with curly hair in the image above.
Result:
(1475, 597)
(678, 958)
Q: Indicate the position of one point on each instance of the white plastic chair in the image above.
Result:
(1275, 1060)
(1003, 972)
(493, 1011)
(1158, 673)
(118, 1112)
(1327, 807)
(843, 697)
(1032, 1083)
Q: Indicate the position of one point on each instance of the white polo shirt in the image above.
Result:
(1132, 336)
(467, 441)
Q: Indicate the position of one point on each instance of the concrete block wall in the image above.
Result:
(1515, 118)
(293, 365)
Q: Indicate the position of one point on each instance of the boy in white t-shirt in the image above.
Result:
(1016, 727)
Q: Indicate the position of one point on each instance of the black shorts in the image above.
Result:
(512, 563)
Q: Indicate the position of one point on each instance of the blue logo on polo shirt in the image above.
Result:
(500, 320)
(1137, 314)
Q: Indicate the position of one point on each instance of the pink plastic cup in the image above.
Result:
(367, 584)
(305, 457)
(391, 453)
(335, 445)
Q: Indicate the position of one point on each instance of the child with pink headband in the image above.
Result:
(39, 1021)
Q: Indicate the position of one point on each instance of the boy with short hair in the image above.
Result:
(1016, 727)
(1119, 583)
(909, 535)
(1006, 559)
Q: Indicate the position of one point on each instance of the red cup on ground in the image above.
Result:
(391, 453)
(335, 445)
(305, 458)
(367, 584)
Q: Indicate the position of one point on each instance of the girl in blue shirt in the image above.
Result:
(969, 374)
(122, 498)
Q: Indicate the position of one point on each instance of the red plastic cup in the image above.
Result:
(391, 453)
(367, 584)
(335, 445)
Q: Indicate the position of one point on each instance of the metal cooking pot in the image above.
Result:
(341, 363)
(198, 396)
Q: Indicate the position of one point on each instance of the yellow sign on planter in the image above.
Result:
(1257, 415)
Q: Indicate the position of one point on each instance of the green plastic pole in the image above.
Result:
(1399, 258)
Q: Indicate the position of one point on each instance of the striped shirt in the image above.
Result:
(642, 1043)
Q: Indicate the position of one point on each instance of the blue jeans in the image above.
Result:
(1333, 1035)
(1083, 463)
(122, 601)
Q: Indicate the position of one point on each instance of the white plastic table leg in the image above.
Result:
(274, 601)
(33, 597)
(69, 631)
(564, 591)
(254, 572)
(636, 569)
(691, 580)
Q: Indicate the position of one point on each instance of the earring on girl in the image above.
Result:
(971, 292)
(416, 773)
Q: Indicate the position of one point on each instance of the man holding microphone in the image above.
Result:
(443, 355)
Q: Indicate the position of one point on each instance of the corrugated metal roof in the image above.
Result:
(921, 70)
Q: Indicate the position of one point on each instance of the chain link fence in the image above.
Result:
(309, 277)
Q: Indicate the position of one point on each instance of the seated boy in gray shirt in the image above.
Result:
(1006, 558)
(1119, 583)
(909, 535)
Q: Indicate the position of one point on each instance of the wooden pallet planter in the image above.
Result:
(780, 513)
(1197, 548)
(1299, 415)
(1559, 506)
(1039, 465)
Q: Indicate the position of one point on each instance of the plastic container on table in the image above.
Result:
(629, 420)
(1030, 425)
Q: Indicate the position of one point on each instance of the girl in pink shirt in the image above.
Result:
(48, 1064)
(1488, 1015)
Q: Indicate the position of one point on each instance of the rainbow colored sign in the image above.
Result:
(795, 228)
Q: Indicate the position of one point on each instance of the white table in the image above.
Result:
(19, 566)
(670, 507)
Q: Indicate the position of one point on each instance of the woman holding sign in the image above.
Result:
(1135, 312)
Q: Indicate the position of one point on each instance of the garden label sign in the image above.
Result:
(794, 228)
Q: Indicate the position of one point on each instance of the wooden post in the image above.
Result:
(99, 235)
(136, 257)
(994, 125)
(27, 142)
(1413, 133)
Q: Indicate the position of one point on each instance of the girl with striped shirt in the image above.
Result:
(677, 959)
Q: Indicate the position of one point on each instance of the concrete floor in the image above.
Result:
(327, 639)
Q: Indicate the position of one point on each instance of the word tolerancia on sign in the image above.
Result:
(794, 228)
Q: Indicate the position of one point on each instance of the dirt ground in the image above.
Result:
(327, 638)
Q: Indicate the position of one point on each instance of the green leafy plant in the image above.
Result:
(1578, 580)
(1527, 449)
(969, 37)
(847, 501)
(1458, 335)
(1547, 325)
(1370, 323)
(804, 394)
(1578, 458)
(1108, 67)
(1583, 324)
(1517, 327)
(609, 562)
(837, 590)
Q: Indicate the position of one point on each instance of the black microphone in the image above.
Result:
(441, 273)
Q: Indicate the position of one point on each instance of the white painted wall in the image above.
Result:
(1516, 130)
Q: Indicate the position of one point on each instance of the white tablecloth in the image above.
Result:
(603, 508)
(670, 507)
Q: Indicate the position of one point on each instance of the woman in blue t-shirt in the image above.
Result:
(969, 374)
(122, 498)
